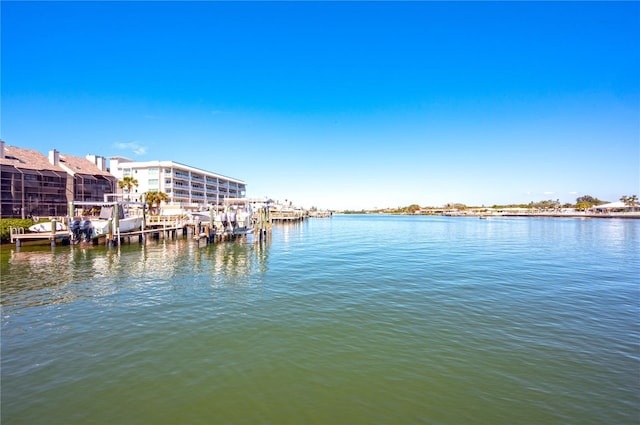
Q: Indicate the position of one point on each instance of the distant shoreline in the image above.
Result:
(634, 215)
(559, 215)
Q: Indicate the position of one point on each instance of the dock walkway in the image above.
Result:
(155, 228)
(287, 216)
(65, 237)
(54, 238)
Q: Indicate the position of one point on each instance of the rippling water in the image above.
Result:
(353, 319)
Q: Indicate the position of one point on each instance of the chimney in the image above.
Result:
(1, 149)
(101, 162)
(54, 157)
(98, 161)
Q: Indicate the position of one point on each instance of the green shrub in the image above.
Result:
(6, 223)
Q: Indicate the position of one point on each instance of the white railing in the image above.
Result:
(14, 231)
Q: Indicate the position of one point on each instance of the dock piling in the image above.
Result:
(54, 229)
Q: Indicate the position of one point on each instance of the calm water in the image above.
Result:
(348, 320)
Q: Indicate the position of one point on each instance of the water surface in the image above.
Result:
(353, 319)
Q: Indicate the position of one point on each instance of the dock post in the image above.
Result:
(116, 225)
(207, 233)
(72, 213)
(109, 232)
(144, 221)
(54, 227)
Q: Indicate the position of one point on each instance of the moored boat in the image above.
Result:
(125, 223)
(235, 218)
(46, 227)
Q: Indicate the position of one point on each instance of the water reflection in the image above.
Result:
(61, 275)
(237, 258)
(32, 277)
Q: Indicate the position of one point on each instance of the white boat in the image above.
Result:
(125, 223)
(236, 217)
(46, 227)
(239, 217)
(129, 224)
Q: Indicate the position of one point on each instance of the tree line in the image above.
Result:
(582, 203)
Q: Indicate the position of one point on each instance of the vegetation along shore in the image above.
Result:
(585, 206)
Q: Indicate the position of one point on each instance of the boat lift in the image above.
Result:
(114, 226)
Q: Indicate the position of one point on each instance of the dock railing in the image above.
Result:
(166, 220)
(14, 231)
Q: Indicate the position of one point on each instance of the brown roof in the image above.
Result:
(82, 166)
(27, 159)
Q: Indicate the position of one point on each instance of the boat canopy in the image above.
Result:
(108, 212)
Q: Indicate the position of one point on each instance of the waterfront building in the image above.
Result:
(89, 178)
(188, 188)
(32, 184)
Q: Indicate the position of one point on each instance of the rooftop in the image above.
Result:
(82, 166)
(26, 158)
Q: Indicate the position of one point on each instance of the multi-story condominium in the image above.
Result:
(32, 184)
(186, 187)
(90, 180)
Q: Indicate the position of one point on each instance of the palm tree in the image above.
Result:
(630, 201)
(156, 198)
(128, 183)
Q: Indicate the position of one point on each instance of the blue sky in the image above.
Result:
(339, 104)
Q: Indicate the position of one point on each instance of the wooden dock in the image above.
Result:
(320, 214)
(53, 238)
(66, 238)
(170, 229)
(162, 228)
(287, 216)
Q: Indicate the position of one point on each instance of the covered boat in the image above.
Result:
(46, 227)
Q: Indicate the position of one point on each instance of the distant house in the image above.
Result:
(32, 184)
(616, 206)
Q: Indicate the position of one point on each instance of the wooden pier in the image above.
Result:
(287, 216)
(157, 229)
(320, 214)
(203, 229)
(53, 238)
(66, 238)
